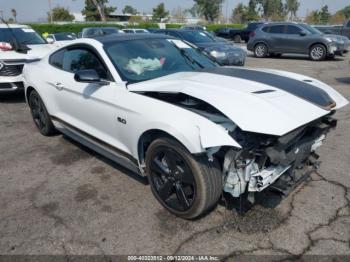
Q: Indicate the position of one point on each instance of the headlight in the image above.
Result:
(218, 54)
(331, 39)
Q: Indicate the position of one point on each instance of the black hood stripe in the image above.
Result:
(298, 88)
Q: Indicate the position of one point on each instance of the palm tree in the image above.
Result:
(14, 14)
(292, 8)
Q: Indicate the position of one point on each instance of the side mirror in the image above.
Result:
(302, 33)
(50, 40)
(89, 76)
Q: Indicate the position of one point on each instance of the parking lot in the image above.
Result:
(57, 197)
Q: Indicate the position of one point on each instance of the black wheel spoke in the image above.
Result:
(166, 190)
(185, 175)
(159, 167)
(170, 158)
(181, 196)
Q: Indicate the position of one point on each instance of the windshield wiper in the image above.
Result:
(188, 57)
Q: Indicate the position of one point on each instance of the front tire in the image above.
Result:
(40, 115)
(185, 185)
(261, 50)
(318, 52)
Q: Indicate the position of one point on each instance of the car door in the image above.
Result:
(297, 39)
(277, 38)
(88, 108)
(346, 29)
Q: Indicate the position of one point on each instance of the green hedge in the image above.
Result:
(76, 28)
(213, 27)
(173, 26)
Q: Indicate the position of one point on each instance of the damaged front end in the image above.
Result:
(276, 163)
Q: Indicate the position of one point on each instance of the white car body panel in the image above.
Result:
(95, 109)
(277, 112)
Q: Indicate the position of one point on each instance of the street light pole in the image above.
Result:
(51, 20)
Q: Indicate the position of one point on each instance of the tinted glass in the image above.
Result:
(63, 37)
(108, 31)
(196, 37)
(277, 29)
(311, 29)
(348, 24)
(173, 33)
(56, 59)
(23, 35)
(80, 59)
(266, 29)
(293, 30)
(140, 60)
(253, 26)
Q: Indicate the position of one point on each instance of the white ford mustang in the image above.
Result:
(165, 110)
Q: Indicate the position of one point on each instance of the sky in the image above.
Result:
(35, 10)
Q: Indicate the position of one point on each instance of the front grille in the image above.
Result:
(11, 70)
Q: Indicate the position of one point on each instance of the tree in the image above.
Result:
(274, 10)
(179, 15)
(194, 11)
(292, 7)
(210, 9)
(159, 12)
(14, 14)
(60, 14)
(345, 11)
(313, 17)
(239, 14)
(243, 14)
(128, 9)
(324, 15)
(338, 18)
(97, 10)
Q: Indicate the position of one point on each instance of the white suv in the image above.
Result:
(19, 44)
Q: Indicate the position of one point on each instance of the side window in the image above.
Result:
(293, 30)
(277, 29)
(266, 29)
(56, 59)
(348, 25)
(80, 59)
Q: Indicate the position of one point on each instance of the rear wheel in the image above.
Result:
(184, 185)
(40, 115)
(318, 52)
(261, 50)
(237, 39)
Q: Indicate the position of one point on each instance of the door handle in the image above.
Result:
(57, 85)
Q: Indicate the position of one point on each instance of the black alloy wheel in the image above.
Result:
(186, 185)
(172, 179)
(40, 115)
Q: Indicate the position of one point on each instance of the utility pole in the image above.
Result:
(227, 1)
(51, 19)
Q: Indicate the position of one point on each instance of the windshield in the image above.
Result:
(311, 29)
(140, 60)
(197, 37)
(64, 37)
(23, 36)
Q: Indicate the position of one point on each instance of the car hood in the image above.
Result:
(219, 46)
(257, 100)
(35, 52)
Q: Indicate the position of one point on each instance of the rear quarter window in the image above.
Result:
(56, 59)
